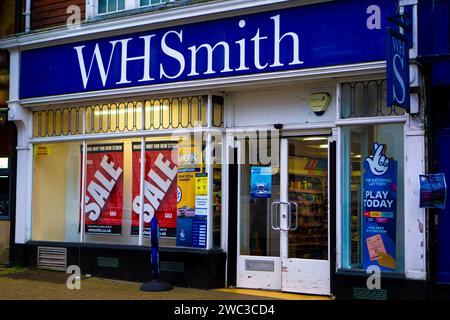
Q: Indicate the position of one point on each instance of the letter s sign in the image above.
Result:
(397, 71)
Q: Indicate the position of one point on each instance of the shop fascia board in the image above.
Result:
(147, 21)
(214, 85)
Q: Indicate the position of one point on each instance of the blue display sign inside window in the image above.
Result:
(380, 210)
(261, 182)
(317, 35)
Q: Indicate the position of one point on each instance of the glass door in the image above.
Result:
(284, 217)
(304, 237)
(259, 244)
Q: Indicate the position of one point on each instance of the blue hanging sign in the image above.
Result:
(397, 70)
(433, 190)
(380, 210)
(309, 36)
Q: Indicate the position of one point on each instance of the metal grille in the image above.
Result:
(159, 114)
(52, 258)
(366, 99)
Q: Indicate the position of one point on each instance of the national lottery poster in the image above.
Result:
(104, 188)
(380, 210)
(160, 187)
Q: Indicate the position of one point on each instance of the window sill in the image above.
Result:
(363, 273)
(118, 246)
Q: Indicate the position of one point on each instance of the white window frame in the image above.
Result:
(93, 7)
(414, 154)
(143, 134)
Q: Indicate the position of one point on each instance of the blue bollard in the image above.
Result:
(155, 285)
(154, 233)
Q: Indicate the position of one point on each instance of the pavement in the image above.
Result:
(24, 284)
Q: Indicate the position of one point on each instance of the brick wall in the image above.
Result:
(49, 13)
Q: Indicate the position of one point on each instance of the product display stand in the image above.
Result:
(155, 285)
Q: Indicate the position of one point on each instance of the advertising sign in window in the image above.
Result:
(160, 187)
(380, 210)
(104, 188)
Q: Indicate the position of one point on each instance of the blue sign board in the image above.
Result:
(309, 36)
(184, 232)
(191, 232)
(380, 210)
(261, 182)
(199, 228)
(397, 72)
(433, 190)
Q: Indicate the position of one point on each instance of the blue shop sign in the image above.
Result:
(397, 71)
(318, 35)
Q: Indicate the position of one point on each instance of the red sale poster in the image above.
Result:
(160, 187)
(104, 189)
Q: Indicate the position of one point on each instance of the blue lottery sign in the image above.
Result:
(380, 210)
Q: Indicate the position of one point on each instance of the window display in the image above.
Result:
(372, 192)
(175, 189)
(56, 192)
(104, 192)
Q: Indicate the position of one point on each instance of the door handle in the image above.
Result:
(274, 209)
(296, 216)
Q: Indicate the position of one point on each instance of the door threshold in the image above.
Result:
(274, 294)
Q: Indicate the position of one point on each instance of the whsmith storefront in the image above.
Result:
(258, 134)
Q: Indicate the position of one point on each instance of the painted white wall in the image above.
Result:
(287, 105)
(23, 121)
(415, 219)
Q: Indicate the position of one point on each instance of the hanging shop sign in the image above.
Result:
(260, 182)
(160, 187)
(397, 74)
(397, 64)
(433, 190)
(380, 210)
(104, 188)
(281, 40)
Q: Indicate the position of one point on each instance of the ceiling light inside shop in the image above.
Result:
(315, 138)
(319, 146)
(130, 110)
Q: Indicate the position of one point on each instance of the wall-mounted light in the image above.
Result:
(319, 102)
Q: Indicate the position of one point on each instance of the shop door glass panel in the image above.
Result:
(308, 187)
(257, 237)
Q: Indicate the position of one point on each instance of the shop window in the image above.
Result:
(175, 190)
(159, 114)
(366, 99)
(372, 195)
(56, 192)
(182, 216)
